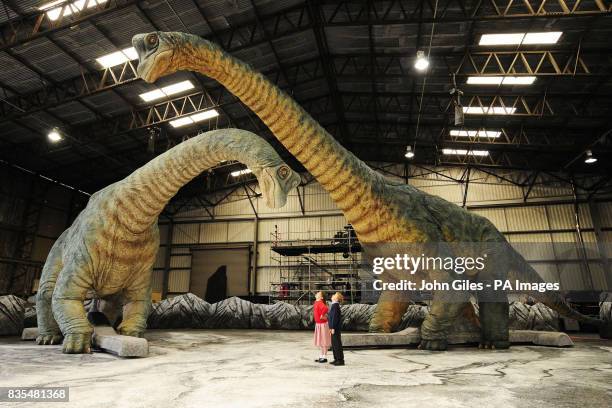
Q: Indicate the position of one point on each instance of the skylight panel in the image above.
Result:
(550, 37)
(488, 110)
(475, 133)
(166, 91)
(195, 117)
(501, 80)
(117, 57)
(56, 9)
(464, 152)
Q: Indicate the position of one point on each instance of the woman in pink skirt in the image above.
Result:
(322, 335)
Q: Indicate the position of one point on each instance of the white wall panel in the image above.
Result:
(548, 271)
(178, 281)
(496, 215)
(269, 227)
(264, 255)
(213, 232)
(306, 228)
(533, 246)
(240, 231)
(317, 199)
(332, 224)
(605, 211)
(185, 233)
(598, 276)
(573, 276)
(526, 219)
(193, 213)
(157, 281)
(452, 193)
(565, 245)
(180, 261)
(265, 276)
(561, 216)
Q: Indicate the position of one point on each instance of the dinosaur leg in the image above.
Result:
(49, 331)
(445, 308)
(390, 309)
(493, 304)
(493, 310)
(136, 308)
(68, 310)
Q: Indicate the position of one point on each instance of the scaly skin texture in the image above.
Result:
(381, 210)
(111, 246)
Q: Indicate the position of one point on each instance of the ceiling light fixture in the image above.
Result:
(475, 133)
(501, 80)
(409, 152)
(118, 57)
(590, 159)
(166, 91)
(54, 135)
(193, 118)
(488, 110)
(520, 38)
(421, 63)
(241, 172)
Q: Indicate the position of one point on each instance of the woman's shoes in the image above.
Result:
(321, 360)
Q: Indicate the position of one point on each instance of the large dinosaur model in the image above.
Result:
(381, 210)
(111, 246)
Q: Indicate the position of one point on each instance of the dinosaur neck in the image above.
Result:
(142, 195)
(348, 180)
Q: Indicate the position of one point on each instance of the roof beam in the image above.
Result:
(35, 25)
(351, 13)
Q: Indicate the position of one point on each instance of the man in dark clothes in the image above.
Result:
(334, 319)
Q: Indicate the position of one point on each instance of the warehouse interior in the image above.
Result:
(500, 107)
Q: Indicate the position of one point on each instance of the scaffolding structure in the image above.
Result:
(314, 264)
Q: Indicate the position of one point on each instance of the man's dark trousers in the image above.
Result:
(335, 323)
(337, 345)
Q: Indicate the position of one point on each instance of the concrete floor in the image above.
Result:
(248, 368)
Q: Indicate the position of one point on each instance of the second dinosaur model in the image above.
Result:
(381, 210)
(112, 244)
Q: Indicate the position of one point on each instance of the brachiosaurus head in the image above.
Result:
(275, 183)
(163, 53)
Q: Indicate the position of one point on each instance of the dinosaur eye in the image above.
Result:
(283, 172)
(151, 40)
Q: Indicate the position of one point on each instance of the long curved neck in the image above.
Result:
(142, 195)
(348, 180)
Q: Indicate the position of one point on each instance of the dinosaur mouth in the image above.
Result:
(146, 59)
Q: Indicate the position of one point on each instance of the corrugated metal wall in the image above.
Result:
(50, 208)
(547, 219)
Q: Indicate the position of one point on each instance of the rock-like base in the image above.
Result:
(190, 311)
(106, 339)
(412, 336)
(12, 311)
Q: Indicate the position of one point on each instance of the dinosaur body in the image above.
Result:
(381, 210)
(112, 244)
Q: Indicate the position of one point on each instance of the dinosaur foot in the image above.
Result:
(494, 345)
(47, 339)
(129, 332)
(433, 345)
(77, 343)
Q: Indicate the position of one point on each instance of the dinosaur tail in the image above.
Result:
(523, 271)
